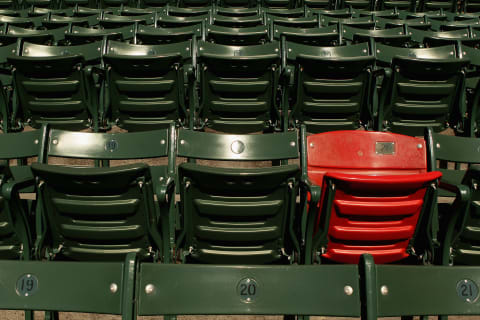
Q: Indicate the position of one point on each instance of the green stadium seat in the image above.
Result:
(303, 22)
(318, 4)
(29, 35)
(458, 221)
(423, 89)
(54, 22)
(417, 23)
(238, 86)
(153, 36)
(237, 22)
(278, 4)
(188, 12)
(332, 86)
(146, 84)
(237, 36)
(109, 21)
(164, 21)
(103, 214)
(16, 240)
(236, 12)
(53, 86)
(282, 13)
(324, 37)
(81, 35)
(395, 37)
(235, 215)
(195, 3)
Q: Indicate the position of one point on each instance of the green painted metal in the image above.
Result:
(237, 36)
(332, 86)
(393, 37)
(234, 215)
(301, 22)
(213, 146)
(81, 35)
(64, 286)
(154, 36)
(200, 289)
(165, 21)
(435, 290)
(188, 12)
(110, 21)
(59, 71)
(237, 22)
(116, 205)
(409, 108)
(321, 37)
(146, 84)
(458, 231)
(238, 86)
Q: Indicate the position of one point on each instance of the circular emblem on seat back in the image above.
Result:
(237, 146)
(111, 145)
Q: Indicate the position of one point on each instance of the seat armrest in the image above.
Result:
(12, 187)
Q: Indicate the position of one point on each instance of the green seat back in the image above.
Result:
(322, 37)
(238, 86)
(152, 36)
(395, 37)
(302, 22)
(146, 84)
(237, 22)
(81, 35)
(52, 86)
(332, 86)
(463, 234)
(103, 213)
(233, 215)
(237, 36)
(164, 21)
(424, 89)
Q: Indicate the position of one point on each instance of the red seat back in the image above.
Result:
(380, 183)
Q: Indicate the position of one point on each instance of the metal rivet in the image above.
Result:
(201, 48)
(378, 51)
(182, 141)
(26, 50)
(464, 53)
(451, 53)
(289, 50)
(384, 290)
(292, 144)
(249, 299)
(55, 141)
(438, 145)
(36, 141)
(419, 146)
(162, 141)
(311, 144)
(276, 50)
(188, 48)
(149, 288)
(348, 290)
(113, 288)
(364, 50)
(160, 179)
(13, 51)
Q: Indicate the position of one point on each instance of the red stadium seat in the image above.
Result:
(374, 191)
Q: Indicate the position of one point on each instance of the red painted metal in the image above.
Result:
(379, 196)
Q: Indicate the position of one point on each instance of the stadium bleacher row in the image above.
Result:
(357, 203)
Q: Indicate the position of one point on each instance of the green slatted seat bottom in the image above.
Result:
(94, 213)
(237, 215)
